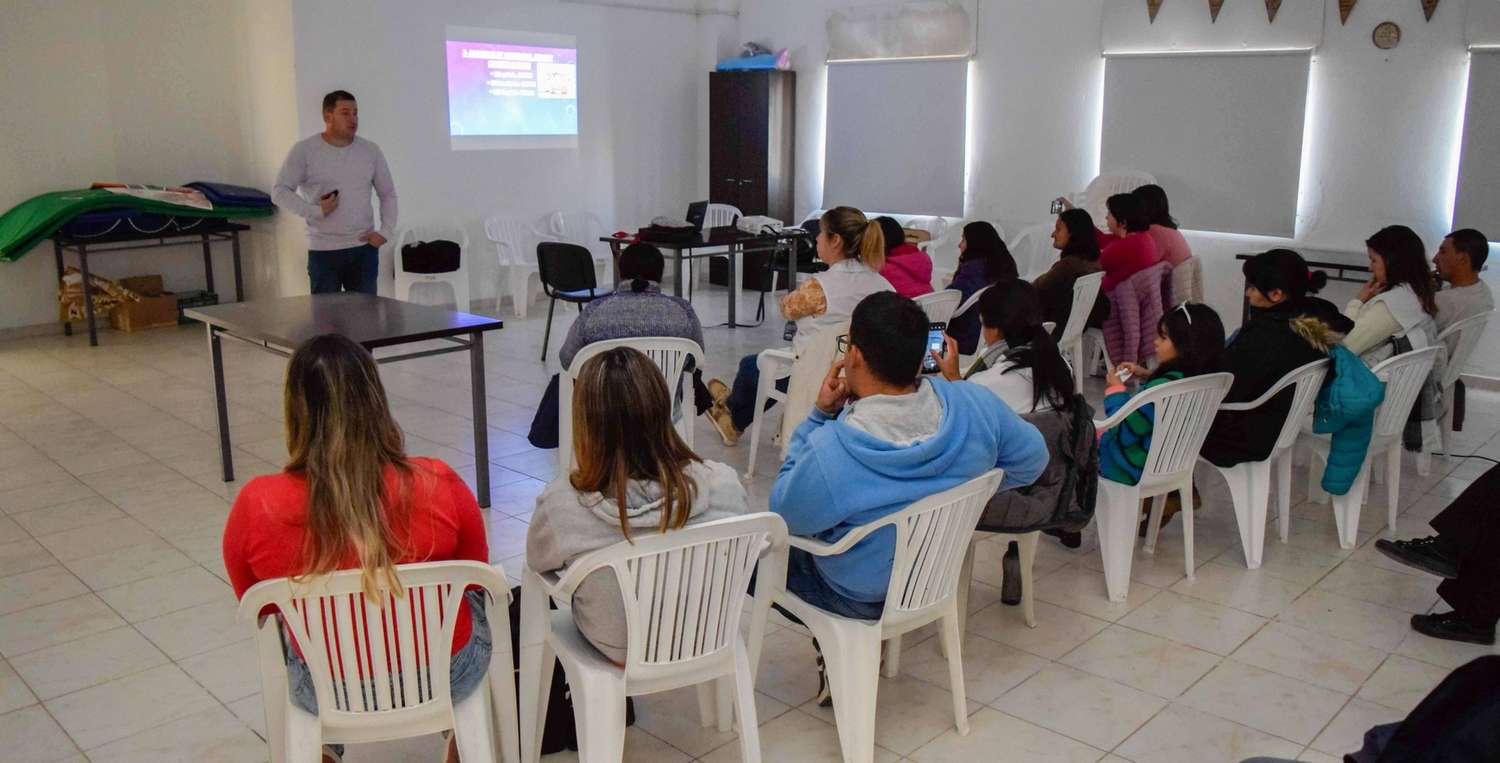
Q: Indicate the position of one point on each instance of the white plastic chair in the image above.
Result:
(969, 303)
(669, 353)
(1099, 190)
(1403, 376)
(936, 227)
(457, 280)
(1250, 482)
(1184, 411)
(932, 539)
(1085, 294)
(515, 251)
(1187, 281)
(1459, 340)
(716, 216)
(1031, 248)
(804, 373)
(940, 305)
(394, 686)
(1095, 354)
(684, 594)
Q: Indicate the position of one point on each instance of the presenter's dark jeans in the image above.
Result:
(335, 270)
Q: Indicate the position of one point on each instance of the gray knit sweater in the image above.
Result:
(568, 524)
(625, 314)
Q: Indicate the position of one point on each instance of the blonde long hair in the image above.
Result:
(862, 237)
(341, 438)
(622, 430)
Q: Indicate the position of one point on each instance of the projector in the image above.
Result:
(757, 224)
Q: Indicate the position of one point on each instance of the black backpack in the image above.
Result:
(430, 257)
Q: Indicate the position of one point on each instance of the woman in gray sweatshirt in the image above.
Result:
(634, 476)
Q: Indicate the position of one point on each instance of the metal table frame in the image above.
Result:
(229, 232)
(474, 345)
(735, 250)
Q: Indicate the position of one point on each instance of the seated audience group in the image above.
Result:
(881, 434)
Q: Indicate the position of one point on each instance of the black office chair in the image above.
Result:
(567, 273)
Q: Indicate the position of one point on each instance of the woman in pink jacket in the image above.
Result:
(908, 268)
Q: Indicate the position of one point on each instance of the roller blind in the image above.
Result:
(1222, 133)
(895, 136)
(1478, 199)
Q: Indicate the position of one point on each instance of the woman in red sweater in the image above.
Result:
(349, 498)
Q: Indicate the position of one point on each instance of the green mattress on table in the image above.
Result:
(32, 221)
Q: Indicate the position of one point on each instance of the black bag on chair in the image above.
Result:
(430, 257)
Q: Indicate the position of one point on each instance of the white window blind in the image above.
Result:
(895, 136)
(1222, 134)
(1478, 199)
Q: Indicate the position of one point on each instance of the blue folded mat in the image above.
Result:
(224, 194)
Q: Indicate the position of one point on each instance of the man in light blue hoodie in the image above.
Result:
(880, 438)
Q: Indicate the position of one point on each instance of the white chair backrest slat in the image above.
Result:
(939, 305)
(1403, 375)
(684, 590)
(389, 654)
(808, 370)
(1085, 294)
(1308, 380)
(932, 537)
(1461, 339)
(1183, 412)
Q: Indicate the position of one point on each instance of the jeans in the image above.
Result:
(466, 670)
(741, 402)
(333, 270)
(802, 578)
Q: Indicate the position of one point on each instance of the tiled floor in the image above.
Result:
(119, 643)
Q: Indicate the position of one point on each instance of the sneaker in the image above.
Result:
(718, 390)
(1425, 554)
(1010, 584)
(723, 422)
(1452, 626)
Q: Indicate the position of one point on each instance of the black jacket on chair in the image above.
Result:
(1273, 343)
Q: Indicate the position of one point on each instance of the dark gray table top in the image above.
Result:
(716, 237)
(370, 321)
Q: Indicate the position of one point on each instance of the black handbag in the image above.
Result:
(430, 257)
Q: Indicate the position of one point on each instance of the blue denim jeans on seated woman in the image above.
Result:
(741, 402)
(466, 669)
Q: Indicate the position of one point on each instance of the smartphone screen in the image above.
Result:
(935, 343)
(1057, 207)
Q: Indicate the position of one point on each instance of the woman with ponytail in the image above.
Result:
(1287, 328)
(1023, 367)
(853, 246)
(637, 308)
(350, 498)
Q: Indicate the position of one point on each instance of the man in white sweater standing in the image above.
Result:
(326, 180)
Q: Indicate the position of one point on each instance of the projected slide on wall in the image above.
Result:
(511, 89)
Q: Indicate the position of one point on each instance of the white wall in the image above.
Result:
(641, 78)
(138, 92)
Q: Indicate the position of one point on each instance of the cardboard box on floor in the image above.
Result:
(156, 308)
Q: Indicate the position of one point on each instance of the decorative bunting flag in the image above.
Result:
(1345, 7)
(1213, 9)
(1429, 7)
(1152, 6)
(1272, 7)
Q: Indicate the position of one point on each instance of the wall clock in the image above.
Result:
(1387, 35)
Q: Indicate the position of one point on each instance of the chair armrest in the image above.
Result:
(777, 362)
(820, 548)
(1110, 423)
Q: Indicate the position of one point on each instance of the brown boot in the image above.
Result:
(1174, 505)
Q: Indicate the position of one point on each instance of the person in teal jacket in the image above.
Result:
(880, 438)
(1189, 342)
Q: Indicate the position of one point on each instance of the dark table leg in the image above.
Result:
(216, 352)
(57, 252)
(736, 254)
(208, 263)
(88, 294)
(791, 268)
(481, 418)
(239, 283)
(676, 272)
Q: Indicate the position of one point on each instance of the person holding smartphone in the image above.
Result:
(326, 180)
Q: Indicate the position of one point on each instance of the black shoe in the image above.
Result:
(1452, 626)
(1068, 539)
(1010, 586)
(1425, 554)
